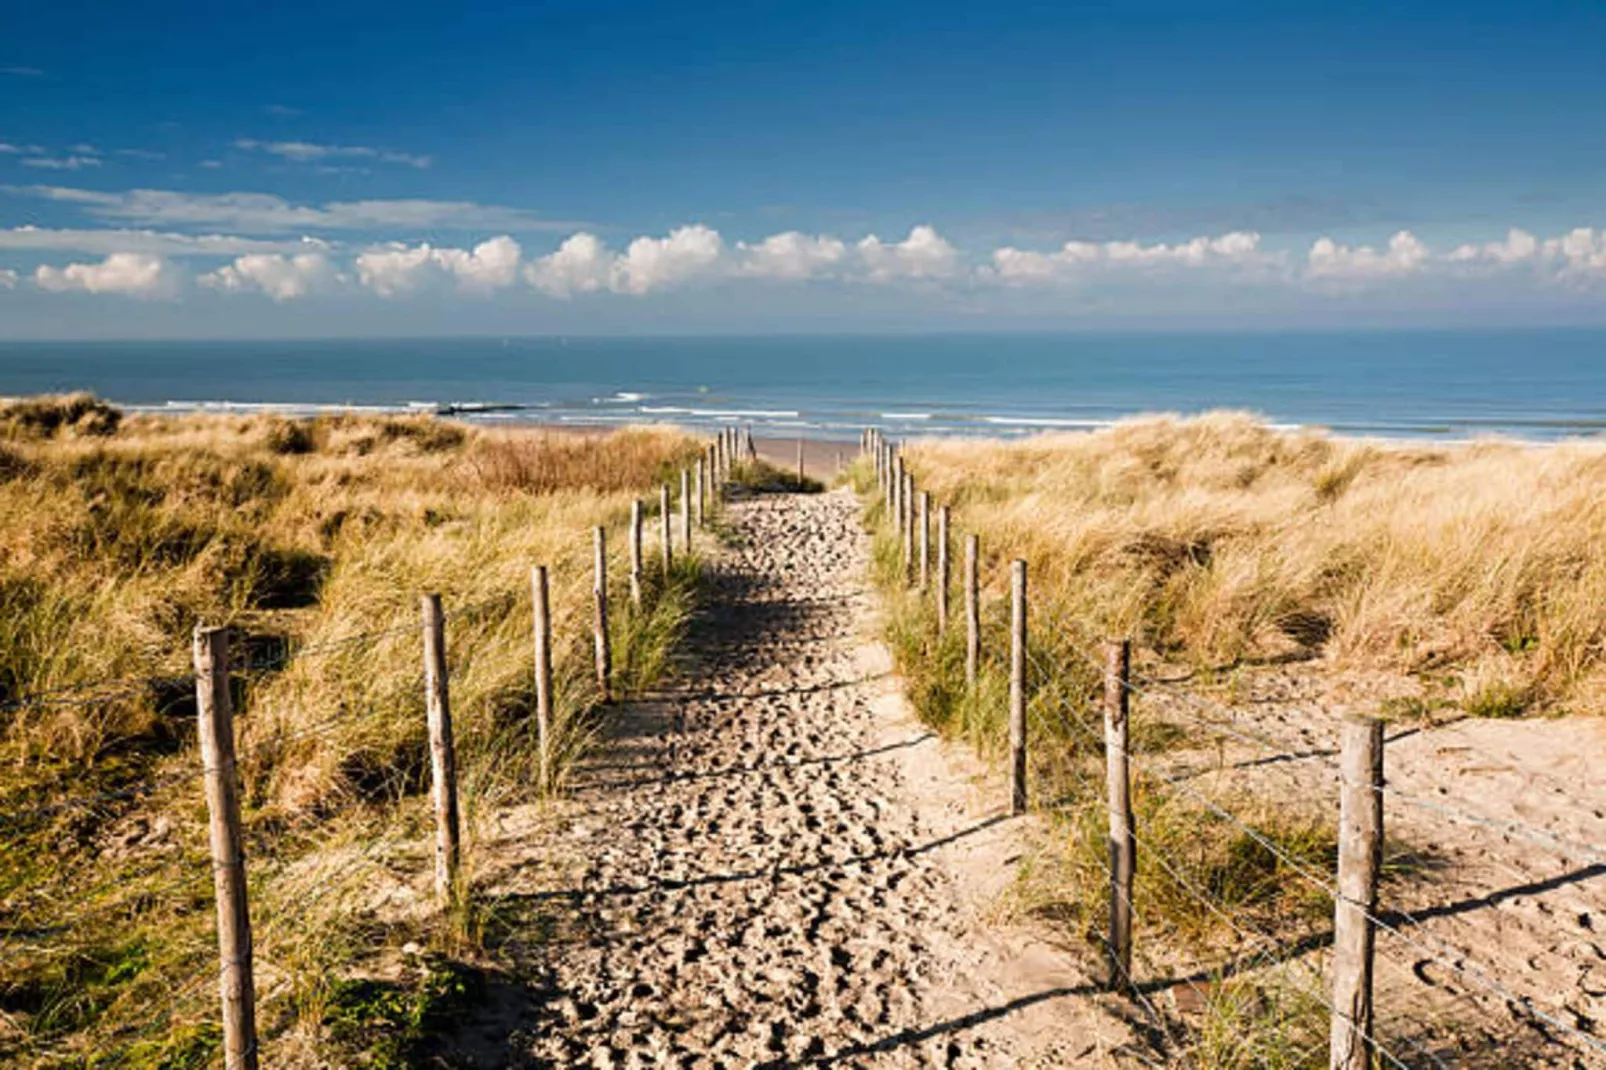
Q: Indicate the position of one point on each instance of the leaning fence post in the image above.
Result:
(215, 718)
(685, 510)
(543, 673)
(599, 591)
(442, 752)
(1017, 688)
(925, 540)
(943, 570)
(1360, 854)
(1123, 839)
(664, 538)
(972, 609)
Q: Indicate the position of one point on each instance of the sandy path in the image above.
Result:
(778, 867)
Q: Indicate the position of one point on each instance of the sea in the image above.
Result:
(1533, 384)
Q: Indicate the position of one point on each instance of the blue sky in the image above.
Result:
(381, 169)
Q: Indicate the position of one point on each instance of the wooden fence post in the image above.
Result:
(702, 491)
(664, 537)
(972, 609)
(800, 463)
(543, 673)
(1123, 838)
(908, 525)
(1360, 854)
(599, 591)
(895, 492)
(685, 510)
(925, 540)
(635, 553)
(442, 750)
(1017, 688)
(944, 569)
(216, 727)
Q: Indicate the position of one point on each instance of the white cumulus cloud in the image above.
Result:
(1518, 246)
(133, 274)
(790, 256)
(582, 264)
(282, 278)
(923, 254)
(396, 268)
(1076, 259)
(652, 263)
(1580, 252)
(1327, 259)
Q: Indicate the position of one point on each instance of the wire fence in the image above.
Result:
(1059, 714)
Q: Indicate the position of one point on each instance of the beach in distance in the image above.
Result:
(1536, 384)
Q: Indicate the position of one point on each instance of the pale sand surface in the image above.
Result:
(776, 864)
(1498, 915)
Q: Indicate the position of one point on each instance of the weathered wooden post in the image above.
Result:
(800, 463)
(599, 591)
(664, 537)
(944, 569)
(442, 750)
(702, 491)
(895, 490)
(635, 553)
(1017, 688)
(925, 541)
(685, 510)
(543, 673)
(908, 522)
(972, 609)
(215, 717)
(1360, 855)
(1123, 846)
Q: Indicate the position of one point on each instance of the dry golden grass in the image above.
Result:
(1220, 540)
(1468, 575)
(117, 537)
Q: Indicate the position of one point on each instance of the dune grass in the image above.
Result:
(312, 540)
(1467, 574)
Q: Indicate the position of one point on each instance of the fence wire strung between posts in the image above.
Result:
(685, 506)
(1345, 988)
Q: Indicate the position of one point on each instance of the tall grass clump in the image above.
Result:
(312, 540)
